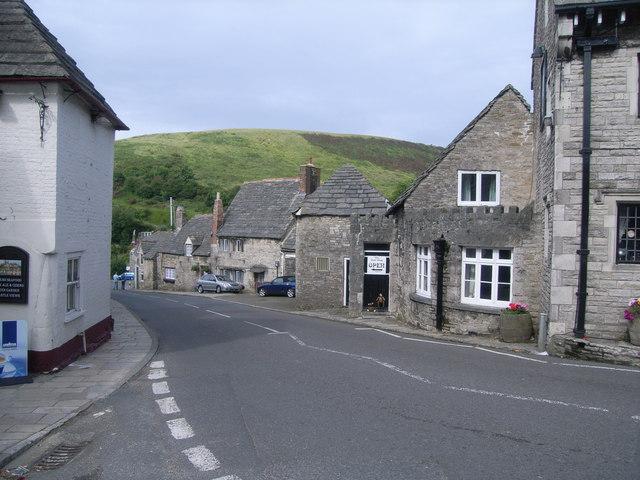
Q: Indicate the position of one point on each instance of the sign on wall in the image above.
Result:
(14, 275)
(13, 350)
(376, 265)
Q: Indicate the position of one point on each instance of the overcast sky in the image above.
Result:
(417, 70)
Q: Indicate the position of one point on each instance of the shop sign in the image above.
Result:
(376, 265)
(14, 275)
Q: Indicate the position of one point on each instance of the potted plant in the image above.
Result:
(515, 323)
(632, 315)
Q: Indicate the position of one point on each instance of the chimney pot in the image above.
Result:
(309, 177)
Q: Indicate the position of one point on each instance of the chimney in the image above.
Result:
(218, 217)
(179, 218)
(309, 177)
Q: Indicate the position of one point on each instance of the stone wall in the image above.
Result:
(615, 177)
(257, 251)
(186, 277)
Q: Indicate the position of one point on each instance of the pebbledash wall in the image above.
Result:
(57, 204)
(615, 168)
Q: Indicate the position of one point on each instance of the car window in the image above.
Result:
(223, 278)
(208, 278)
(278, 281)
(290, 279)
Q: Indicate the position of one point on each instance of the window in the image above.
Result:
(278, 281)
(239, 245)
(322, 264)
(188, 248)
(73, 284)
(224, 244)
(169, 274)
(423, 270)
(478, 188)
(239, 276)
(628, 230)
(487, 276)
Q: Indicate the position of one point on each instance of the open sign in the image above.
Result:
(377, 265)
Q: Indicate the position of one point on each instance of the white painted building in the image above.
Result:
(56, 171)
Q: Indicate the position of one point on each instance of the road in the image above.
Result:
(237, 392)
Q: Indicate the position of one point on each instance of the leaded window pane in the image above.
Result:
(628, 230)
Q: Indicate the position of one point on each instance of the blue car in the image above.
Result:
(128, 276)
(279, 286)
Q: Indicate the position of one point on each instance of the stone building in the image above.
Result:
(586, 119)
(328, 239)
(477, 199)
(56, 143)
(142, 258)
(254, 239)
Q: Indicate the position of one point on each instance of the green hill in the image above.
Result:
(192, 166)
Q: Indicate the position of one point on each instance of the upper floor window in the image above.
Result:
(239, 245)
(628, 230)
(423, 270)
(478, 188)
(224, 244)
(73, 284)
(487, 276)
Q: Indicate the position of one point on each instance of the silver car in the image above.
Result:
(217, 283)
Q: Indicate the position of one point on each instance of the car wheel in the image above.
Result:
(200, 289)
(291, 293)
(262, 292)
(218, 289)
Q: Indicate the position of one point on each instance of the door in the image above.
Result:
(278, 286)
(345, 287)
(375, 295)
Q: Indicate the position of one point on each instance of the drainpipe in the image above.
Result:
(439, 247)
(583, 252)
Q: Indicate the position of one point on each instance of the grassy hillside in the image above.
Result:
(192, 166)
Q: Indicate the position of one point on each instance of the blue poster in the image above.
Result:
(13, 349)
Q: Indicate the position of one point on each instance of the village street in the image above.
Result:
(238, 392)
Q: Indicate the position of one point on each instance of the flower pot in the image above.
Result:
(515, 327)
(634, 332)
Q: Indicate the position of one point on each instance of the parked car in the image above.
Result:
(128, 276)
(217, 283)
(278, 286)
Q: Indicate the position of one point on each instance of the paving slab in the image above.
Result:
(33, 410)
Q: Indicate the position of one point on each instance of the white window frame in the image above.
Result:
(478, 174)
(188, 248)
(224, 244)
(494, 262)
(423, 257)
(166, 270)
(74, 283)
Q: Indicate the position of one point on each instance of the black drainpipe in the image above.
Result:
(440, 247)
(586, 44)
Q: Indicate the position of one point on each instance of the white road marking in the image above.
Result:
(461, 345)
(378, 330)
(452, 387)
(218, 313)
(262, 326)
(168, 405)
(160, 388)
(180, 429)
(169, 300)
(511, 355)
(228, 477)
(189, 305)
(202, 458)
(636, 418)
(157, 374)
(99, 414)
(158, 364)
(598, 367)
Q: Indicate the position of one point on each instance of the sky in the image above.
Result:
(416, 70)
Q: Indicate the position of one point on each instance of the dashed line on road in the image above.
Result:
(168, 405)
(160, 388)
(460, 345)
(189, 305)
(262, 326)
(157, 374)
(170, 300)
(228, 477)
(511, 355)
(380, 331)
(180, 429)
(218, 313)
(157, 364)
(202, 458)
(598, 367)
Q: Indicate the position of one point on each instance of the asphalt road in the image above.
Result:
(257, 394)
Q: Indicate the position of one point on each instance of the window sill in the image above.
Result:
(73, 315)
(465, 307)
(168, 280)
(421, 298)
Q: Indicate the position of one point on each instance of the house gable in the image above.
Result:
(498, 139)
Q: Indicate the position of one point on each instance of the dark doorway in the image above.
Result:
(346, 276)
(375, 295)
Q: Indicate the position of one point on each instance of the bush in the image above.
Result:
(125, 220)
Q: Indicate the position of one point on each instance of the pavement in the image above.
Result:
(33, 410)
(236, 392)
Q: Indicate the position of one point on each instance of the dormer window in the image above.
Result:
(188, 247)
(478, 188)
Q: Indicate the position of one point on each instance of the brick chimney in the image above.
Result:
(309, 177)
(218, 217)
(179, 218)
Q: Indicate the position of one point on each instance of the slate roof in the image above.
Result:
(346, 193)
(28, 51)
(151, 243)
(262, 209)
(289, 242)
(402, 198)
(199, 229)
